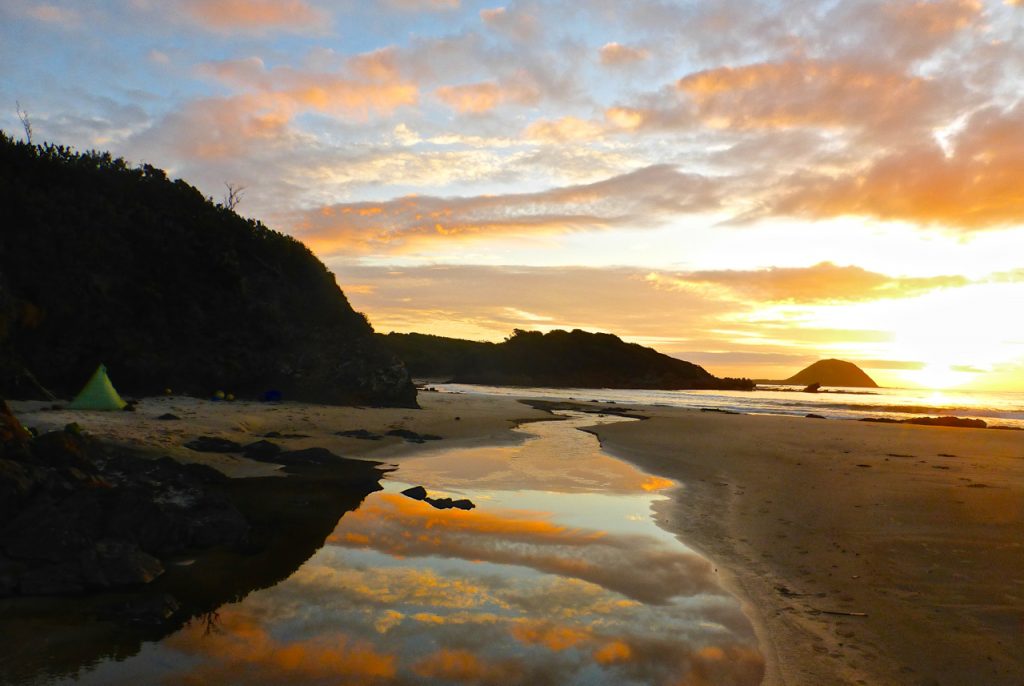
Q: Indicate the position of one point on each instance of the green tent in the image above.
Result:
(98, 394)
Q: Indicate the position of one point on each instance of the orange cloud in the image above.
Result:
(243, 650)
(474, 98)
(370, 83)
(225, 15)
(822, 282)
(611, 653)
(636, 567)
(463, 666)
(555, 637)
(617, 55)
(647, 195)
(564, 129)
(478, 98)
(976, 186)
(804, 93)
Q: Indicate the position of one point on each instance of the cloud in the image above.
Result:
(246, 651)
(976, 186)
(617, 55)
(255, 15)
(644, 196)
(820, 283)
(478, 98)
(563, 129)
(423, 5)
(774, 95)
(515, 24)
(54, 14)
(635, 566)
(369, 83)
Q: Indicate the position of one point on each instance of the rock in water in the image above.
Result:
(416, 493)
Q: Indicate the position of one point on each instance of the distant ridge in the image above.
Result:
(832, 373)
(561, 359)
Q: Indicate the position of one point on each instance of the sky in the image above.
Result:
(747, 185)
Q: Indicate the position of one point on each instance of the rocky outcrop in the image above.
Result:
(831, 373)
(75, 516)
(101, 262)
(175, 542)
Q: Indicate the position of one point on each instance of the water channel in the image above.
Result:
(558, 576)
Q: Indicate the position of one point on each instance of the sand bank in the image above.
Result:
(458, 419)
(921, 529)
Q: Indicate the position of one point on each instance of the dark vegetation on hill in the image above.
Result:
(558, 358)
(832, 373)
(103, 262)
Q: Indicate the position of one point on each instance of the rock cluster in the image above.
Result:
(76, 516)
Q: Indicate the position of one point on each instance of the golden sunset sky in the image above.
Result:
(747, 185)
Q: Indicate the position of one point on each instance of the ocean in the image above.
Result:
(995, 408)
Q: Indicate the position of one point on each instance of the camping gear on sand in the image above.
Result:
(98, 394)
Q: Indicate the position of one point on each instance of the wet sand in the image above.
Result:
(921, 529)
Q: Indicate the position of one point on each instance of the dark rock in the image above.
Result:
(213, 444)
(416, 493)
(261, 450)
(718, 410)
(448, 503)
(412, 436)
(359, 433)
(812, 388)
(959, 422)
(168, 417)
(813, 416)
(272, 434)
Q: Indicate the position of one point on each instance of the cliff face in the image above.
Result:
(555, 359)
(832, 373)
(101, 262)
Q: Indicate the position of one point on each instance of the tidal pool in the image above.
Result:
(558, 576)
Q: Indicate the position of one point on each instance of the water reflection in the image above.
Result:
(560, 578)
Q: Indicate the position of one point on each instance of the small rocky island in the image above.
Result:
(830, 372)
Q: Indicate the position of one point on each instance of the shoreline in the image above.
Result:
(813, 524)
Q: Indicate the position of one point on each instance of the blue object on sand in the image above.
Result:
(271, 396)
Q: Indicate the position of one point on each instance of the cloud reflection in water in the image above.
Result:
(563, 586)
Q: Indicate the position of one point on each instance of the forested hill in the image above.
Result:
(104, 262)
(555, 359)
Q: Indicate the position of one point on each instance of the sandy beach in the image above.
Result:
(918, 529)
(863, 553)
